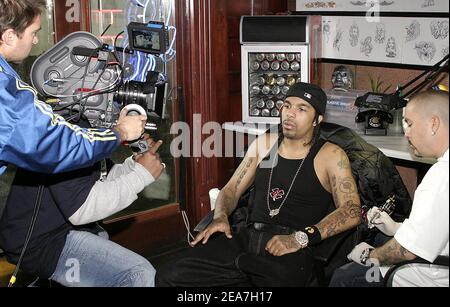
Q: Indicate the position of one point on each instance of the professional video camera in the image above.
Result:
(82, 78)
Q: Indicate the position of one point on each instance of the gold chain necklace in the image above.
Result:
(275, 212)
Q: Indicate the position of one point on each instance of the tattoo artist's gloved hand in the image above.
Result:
(359, 254)
(382, 221)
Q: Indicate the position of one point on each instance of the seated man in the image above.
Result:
(291, 209)
(66, 245)
(425, 233)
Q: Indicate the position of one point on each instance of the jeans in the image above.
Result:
(90, 260)
(240, 261)
(356, 275)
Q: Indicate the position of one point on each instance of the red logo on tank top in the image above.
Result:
(277, 194)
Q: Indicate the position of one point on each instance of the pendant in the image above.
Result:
(274, 212)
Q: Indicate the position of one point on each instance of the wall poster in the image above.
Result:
(420, 6)
(400, 40)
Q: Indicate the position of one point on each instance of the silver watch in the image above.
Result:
(301, 238)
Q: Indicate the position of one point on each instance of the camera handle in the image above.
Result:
(139, 146)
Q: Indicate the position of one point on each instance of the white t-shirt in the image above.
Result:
(425, 233)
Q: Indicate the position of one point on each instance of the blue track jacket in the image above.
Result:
(34, 138)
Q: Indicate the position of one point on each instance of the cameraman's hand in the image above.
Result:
(151, 143)
(151, 161)
(130, 128)
(382, 221)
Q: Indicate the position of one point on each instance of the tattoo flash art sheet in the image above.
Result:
(400, 40)
(428, 6)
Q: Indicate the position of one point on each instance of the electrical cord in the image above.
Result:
(37, 206)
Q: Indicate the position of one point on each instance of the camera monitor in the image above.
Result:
(149, 37)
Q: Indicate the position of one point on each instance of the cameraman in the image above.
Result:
(66, 245)
(31, 135)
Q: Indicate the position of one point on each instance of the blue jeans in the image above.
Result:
(355, 275)
(90, 260)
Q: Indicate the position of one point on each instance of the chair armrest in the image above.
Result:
(389, 277)
(239, 214)
(204, 222)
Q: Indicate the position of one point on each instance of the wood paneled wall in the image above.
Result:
(209, 72)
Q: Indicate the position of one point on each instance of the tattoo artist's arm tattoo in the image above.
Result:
(391, 253)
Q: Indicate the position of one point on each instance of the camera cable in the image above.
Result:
(37, 206)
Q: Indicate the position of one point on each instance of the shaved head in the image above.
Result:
(426, 123)
(432, 103)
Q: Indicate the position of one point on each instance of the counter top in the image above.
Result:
(393, 146)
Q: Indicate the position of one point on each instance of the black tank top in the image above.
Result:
(307, 203)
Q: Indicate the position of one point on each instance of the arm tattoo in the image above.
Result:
(346, 186)
(343, 218)
(226, 203)
(348, 212)
(242, 171)
(343, 163)
(391, 253)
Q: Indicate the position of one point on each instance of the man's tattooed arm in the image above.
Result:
(228, 197)
(345, 195)
(391, 253)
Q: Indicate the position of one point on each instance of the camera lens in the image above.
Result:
(132, 92)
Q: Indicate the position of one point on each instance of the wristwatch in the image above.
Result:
(301, 238)
(365, 256)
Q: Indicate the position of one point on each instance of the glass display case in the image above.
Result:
(275, 54)
(268, 73)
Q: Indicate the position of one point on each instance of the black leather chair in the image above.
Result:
(377, 179)
(389, 277)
